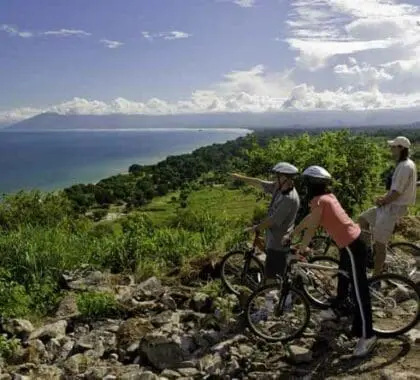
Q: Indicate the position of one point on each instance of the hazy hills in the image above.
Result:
(53, 121)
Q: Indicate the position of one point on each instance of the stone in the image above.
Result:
(201, 303)
(414, 336)
(37, 352)
(77, 364)
(67, 306)
(162, 351)
(47, 372)
(189, 372)
(148, 375)
(211, 364)
(107, 339)
(53, 330)
(299, 354)
(168, 302)
(164, 318)
(132, 332)
(151, 288)
(224, 346)
(20, 328)
(170, 374)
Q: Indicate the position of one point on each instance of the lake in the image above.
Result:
(50, 160)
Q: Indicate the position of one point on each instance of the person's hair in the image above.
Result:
(317, 189)
(404, 154)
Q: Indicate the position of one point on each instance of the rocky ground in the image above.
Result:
(176, 332)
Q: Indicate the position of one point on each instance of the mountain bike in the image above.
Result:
(243, 268)
(281, 312)
(401, 257)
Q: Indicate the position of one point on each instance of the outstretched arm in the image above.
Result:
(266, 186)
(309, 225)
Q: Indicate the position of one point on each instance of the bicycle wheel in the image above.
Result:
(277, 316)
(232, 272)
(403, 258)
(321, 286)
(324, 246)
(395, 304)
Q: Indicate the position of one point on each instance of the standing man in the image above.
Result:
(393, 205)
(282, 211)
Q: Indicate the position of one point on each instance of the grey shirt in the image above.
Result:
(282, 211)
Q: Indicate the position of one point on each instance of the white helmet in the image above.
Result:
(317, 174)
(286, 169)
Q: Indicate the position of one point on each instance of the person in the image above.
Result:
(279, 223)
(394, 204)
(327, 212)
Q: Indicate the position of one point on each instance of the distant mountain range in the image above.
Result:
(309, 119)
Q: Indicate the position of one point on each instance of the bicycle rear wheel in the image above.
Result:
(233, 276)
(321, 288)
(277, 316)
(403, 258)
(395, 304)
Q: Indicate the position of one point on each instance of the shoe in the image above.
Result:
(328, 315)
(364, 347)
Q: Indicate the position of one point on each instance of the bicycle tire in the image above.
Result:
(414, 288)
(223, 276)
(415, 251)
(256, 331)
(314, 301)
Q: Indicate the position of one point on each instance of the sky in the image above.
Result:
(204, 56)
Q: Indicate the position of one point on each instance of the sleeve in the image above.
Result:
(285, 209)
(401, 179)
(268, 186)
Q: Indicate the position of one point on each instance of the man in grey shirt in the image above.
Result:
(282, 212)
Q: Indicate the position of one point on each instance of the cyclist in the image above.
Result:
(327, 212)
(394, 204)
(280, 220)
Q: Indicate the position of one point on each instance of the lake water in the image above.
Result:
(53, 160)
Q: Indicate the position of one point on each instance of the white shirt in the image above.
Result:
(404, 181)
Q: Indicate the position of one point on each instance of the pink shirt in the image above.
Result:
(335, 220)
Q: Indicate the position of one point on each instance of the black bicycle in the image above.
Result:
(401, 257)
(281, 312)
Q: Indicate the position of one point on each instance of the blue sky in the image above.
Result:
(160, 56)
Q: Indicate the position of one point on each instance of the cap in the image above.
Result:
(400, 141)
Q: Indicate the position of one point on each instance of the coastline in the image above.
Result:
(93, 173)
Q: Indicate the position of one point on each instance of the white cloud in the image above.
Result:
(322, 29)
(172, 35)
(14, 31)
(66, 33)
(244, 3)
(110, 44)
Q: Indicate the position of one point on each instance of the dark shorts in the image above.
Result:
(275, 263)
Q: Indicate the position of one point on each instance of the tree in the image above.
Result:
(135, 169)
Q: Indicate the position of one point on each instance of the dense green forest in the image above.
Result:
(169, 216)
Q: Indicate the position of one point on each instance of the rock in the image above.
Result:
(168, 302)
(67, 306)
(299, 354)
(77, 364)
(53, 330)
(92, 281)
(46, 372)
(37, 352)
(170, 374)
(224, 346)
(18, 376)
(414, 336)
(201, 303)
(67, 345)
(389, 374)
(95, 338)
(164, 318)
(162, 351)
(211, 364)
(151, 288)
(147, 376)
(20, 328)
(132, 332)
(189, 372)
(5, 376)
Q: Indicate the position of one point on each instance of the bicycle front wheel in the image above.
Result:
(233, 272)
(277, 316)
(321, 287)
(395, 304)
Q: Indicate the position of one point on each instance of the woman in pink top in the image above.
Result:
(327, 212)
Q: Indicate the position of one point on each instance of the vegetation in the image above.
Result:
(163, 217)
(97, 305)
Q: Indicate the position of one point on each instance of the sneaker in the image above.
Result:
(364, 347)
(328, 315)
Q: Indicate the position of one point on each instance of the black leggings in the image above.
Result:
(353, 260)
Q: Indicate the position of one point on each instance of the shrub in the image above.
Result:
(97, 305)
